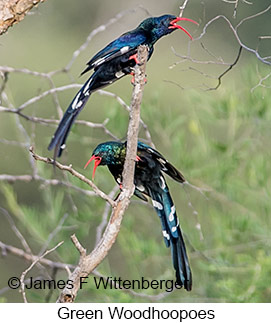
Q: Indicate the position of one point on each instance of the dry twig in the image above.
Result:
(31, 266)
(74, 173)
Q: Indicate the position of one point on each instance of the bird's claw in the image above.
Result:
(135, 57)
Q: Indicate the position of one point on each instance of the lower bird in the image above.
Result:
(150, 182)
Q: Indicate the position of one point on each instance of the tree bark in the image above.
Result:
(13, 11)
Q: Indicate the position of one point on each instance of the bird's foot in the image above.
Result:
(133, 78)
(135, 58)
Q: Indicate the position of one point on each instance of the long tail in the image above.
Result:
(77, 104)
(172, 234)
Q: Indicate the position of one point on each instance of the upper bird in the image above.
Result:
(112, 63)
(149, 181)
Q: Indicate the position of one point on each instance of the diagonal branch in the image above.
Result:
(74, 173)
(32, 265)
(226, 71)
(87, 263)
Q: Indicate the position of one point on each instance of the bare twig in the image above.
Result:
(102, 225)
(45, 182)
(16, 230)
(74, 173)
(30, 257)
(226, 71)
(235, 32)
(31, 266)
(219, 61)
(236, 2)
(53, 233)
(183, 7)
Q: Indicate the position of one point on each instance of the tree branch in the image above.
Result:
(32, 265)
(183, 7)
(74, 173)
(87, 263)
(13, 11)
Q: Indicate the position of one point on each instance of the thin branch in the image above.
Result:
(265, 60)
(226, 71)
(102, 225)
(183, 7)
(74, 173)
(32, 265)
(58, 228)
(235, 32)
(45, 182)
(30, 257)
(16, 230)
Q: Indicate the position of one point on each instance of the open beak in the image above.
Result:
(96, 163)
(173, 25)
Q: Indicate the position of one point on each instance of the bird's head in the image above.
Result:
(164, 25)
(107, 153)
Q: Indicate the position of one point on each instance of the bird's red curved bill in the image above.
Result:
(96, 163)
(174, 25)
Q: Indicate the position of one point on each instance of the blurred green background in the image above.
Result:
(219, 139)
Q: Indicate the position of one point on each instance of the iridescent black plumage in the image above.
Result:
(149, 181)
(112, 63)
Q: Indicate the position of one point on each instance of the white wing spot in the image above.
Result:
(165, 234)
(162, 161)
(118, 180)
(74, 105)
(171, 214)
(86, 86)
(163, 185)
(79, 104)
(141, 188)
(63, 146)
(158, 205)
(124, 49)
(119, 74)
(99, 61)
(173, 229)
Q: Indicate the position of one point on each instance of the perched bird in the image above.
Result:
(149, 181)
(112, 63)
